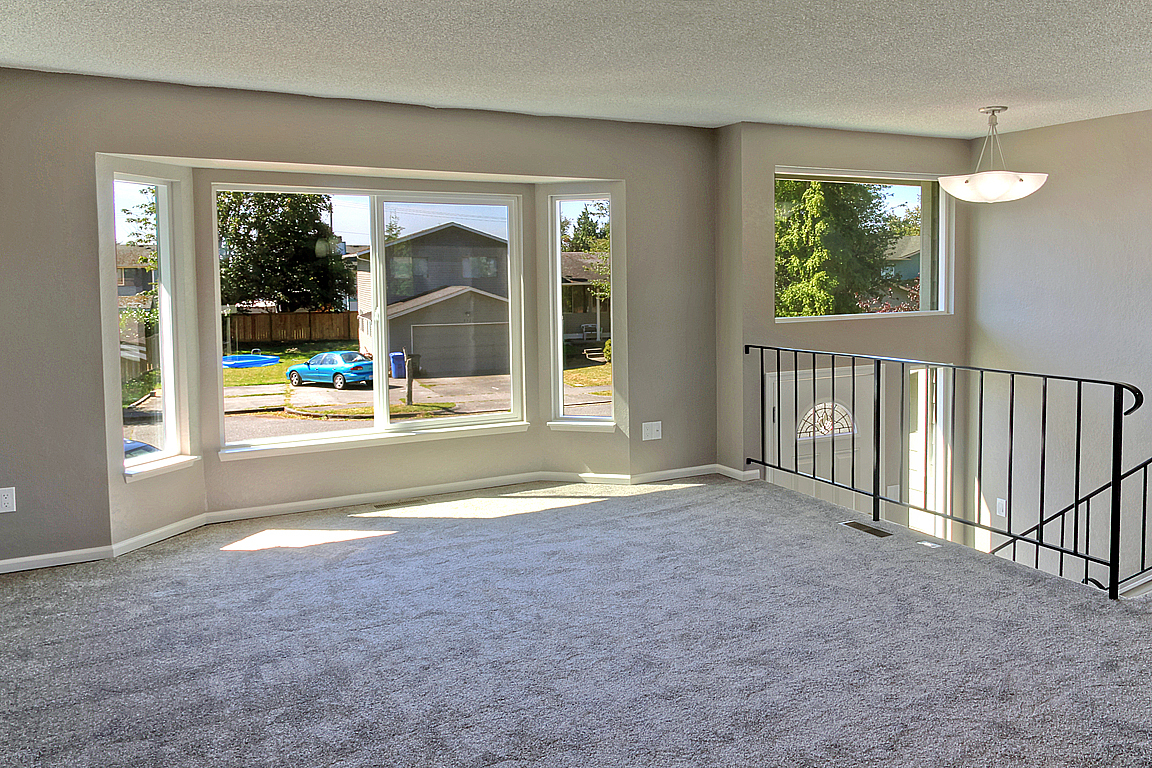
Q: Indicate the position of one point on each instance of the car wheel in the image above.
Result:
(294, 379)
(338, 381)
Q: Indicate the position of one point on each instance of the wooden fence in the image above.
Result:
(292, 326)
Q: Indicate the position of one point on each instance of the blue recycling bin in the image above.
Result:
(398, 370)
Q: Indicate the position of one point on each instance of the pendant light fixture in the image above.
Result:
(992, 186)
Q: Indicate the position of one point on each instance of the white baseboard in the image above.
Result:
(151, 537)
(51, 559)
(703, 469)
(1141, 586)
(381, 497)
(286, 508)
(743, 475)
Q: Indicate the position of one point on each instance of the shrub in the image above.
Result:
(608, 350)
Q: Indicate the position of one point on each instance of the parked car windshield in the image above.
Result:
(353, 357)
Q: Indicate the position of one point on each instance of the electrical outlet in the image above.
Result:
(7, 499)
(651, 430)
(1001, 508)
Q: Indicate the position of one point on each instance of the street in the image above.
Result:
(259, 411)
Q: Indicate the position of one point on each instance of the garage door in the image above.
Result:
(462, 349)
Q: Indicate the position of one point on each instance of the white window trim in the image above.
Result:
(320, 442)
(945, 237)
(384, 430)
(157, 467)
(548, 199)
(176, 292)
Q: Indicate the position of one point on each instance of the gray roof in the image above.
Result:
(439, 227)
(904, 248)
(398, 308)
(576, 267)
(132, 256)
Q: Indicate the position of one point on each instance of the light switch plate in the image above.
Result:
(651, 430)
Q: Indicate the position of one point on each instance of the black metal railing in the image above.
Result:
(944, 440)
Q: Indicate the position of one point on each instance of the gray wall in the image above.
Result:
(1055, 283)
(749, 154)
(1060, 284)
(53, 435)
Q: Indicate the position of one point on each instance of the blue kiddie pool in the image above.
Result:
(249, 361)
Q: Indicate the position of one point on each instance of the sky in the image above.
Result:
(125, 194)
(903, 195)
(351, 216)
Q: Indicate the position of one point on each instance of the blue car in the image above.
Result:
(336, 368)
(134, 448)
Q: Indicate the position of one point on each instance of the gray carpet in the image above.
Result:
(699, 623)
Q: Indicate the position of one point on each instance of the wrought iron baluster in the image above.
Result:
(1043, 460)
(876, 371)
(1011, 430)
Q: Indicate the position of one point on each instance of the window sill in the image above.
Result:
(582, 425)
(158, 467)
(360, 440)
(860, 316)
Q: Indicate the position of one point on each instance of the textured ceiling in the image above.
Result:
(900, 66)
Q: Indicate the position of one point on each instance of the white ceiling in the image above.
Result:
(899, 66)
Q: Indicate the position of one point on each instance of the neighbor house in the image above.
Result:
(587, 312)
(447, 300)
(134, 274)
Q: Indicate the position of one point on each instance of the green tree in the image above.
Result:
(279, 248)
(906, 223)
(831, 241)
(592, 233)
(393, 230)
(142, 218)
(565, 235)
(591, 230)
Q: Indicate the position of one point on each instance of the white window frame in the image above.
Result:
(382, 427)
(175, 296)
(945, 236)
(549, 198)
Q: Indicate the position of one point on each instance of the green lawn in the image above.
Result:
(290, 354)
(417, 411)
(588, 374)
(134, 389)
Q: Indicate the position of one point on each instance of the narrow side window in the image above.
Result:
(143, 298)
(583, 268)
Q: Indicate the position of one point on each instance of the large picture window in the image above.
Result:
(359, 312)
(853, 246)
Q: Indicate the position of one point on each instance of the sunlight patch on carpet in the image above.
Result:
(601, 489)
(482, 508)
(288, 538)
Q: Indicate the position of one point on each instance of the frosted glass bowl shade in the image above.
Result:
(993, 186)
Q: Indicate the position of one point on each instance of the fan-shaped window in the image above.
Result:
(825, 419)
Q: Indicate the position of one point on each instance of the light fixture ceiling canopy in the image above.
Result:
(995, 185)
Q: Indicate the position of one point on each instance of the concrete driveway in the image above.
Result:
(469, 394)
(259, 410)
